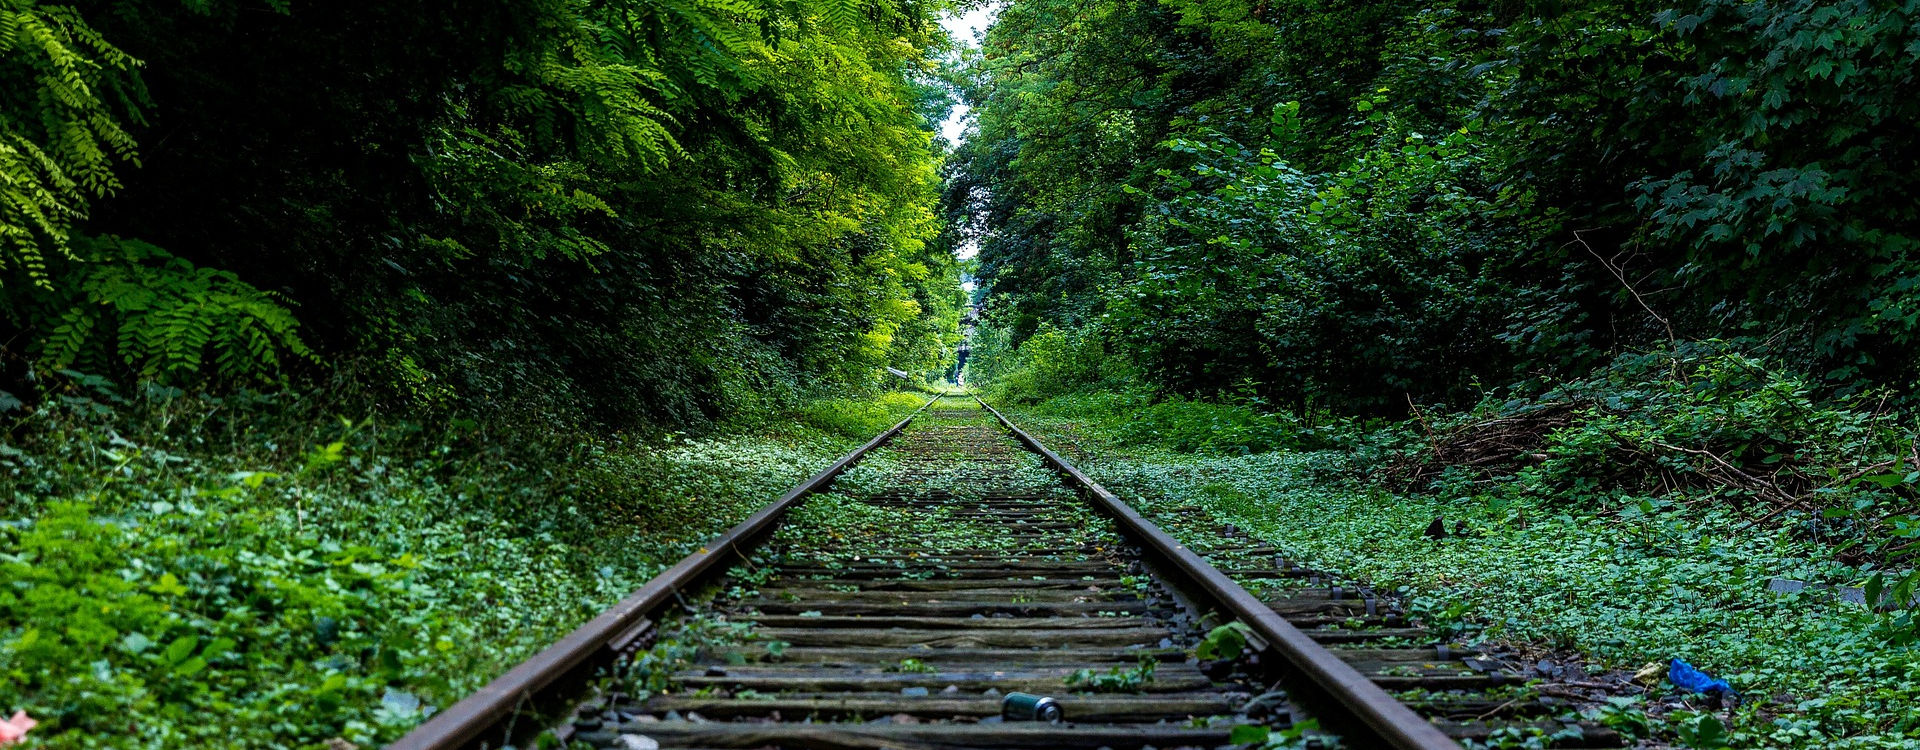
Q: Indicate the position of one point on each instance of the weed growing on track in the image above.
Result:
(887, 471)
(693, 636)
(837, 527)
(834, 529)
(1638, 582)
(235, 576)
(1132, 679)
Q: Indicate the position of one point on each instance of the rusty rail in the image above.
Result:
(1394, 722)
(601, 639)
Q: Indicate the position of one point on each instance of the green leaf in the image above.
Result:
(1902, 593)
(1706, 732)
(135, 643)
(1887, 480)
(1249, 734)
(181, 648)
(1225, 642)
(168, 585)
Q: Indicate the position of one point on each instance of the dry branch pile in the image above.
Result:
(1490, 447)
(1497, 446)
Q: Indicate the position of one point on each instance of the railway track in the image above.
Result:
(928, 596)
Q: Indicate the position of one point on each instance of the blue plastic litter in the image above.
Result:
(1686, 677)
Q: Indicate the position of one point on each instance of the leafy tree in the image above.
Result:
(1357, 286)
(549, 210)
(1535, 186)
(65, 96)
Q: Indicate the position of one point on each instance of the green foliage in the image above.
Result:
(1704, 731)
(912, 666)
(1116, 679)
(1635, 553)
(1051, 362)
(1624, 714)
(1299, 735)
(1351, 287)
(1128, 414)
(716, 200)
(652, 671)
(168, 558)
(66, 93)
(1896, 602)
(1228, 641)
(163, 318)
(1249, 734)
(1350, 204)
(1706, 424)
(677, 214)
(859, 419)
(1742, 150)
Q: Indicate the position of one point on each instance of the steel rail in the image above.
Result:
(601, 639)
(1392, 720)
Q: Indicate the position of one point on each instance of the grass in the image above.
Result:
(860, 418)
(197, 572)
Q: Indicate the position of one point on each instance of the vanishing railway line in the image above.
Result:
(926, 597)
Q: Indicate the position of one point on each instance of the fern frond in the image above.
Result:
(844, 15)
(168, 319)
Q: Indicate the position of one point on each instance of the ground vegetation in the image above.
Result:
(1562, 559)
(250, 570)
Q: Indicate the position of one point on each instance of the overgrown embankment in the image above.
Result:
(1625, 287)
(1630, 517)
(248, 571)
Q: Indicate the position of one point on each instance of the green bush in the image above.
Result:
(1051, 362)
(1186, 425)
(1347, 287)
(132, 307)
(1350, 202)
(191, 571)
(553, 212)
(1705, 423)
(860, 419)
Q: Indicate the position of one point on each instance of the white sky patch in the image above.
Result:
(955, 126)
(965, 27)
